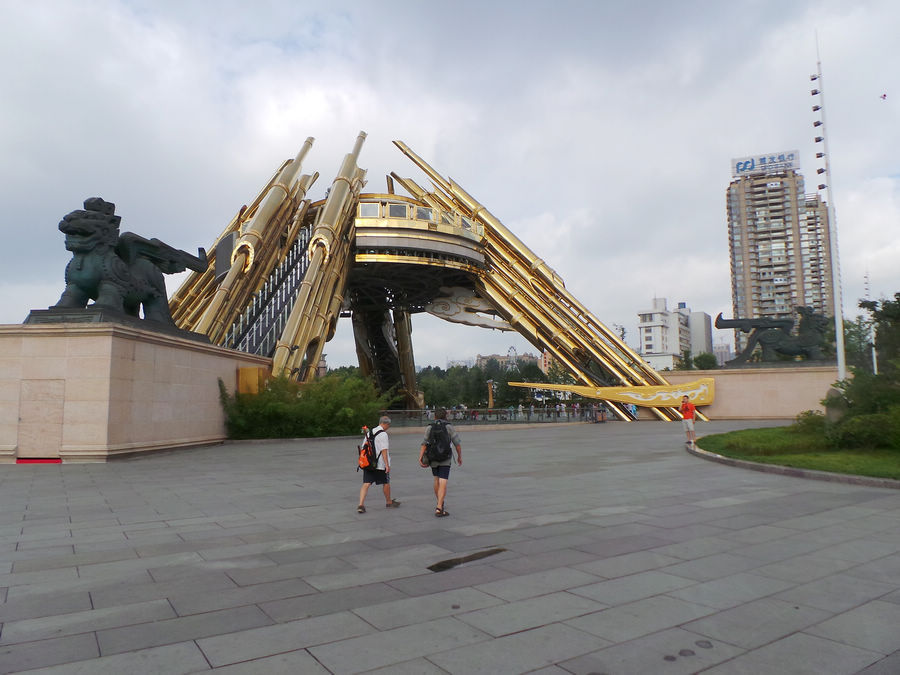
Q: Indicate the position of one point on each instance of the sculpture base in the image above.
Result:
(763, 393)
(104, 315)
(90, 391)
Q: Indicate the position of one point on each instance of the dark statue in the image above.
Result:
(121, 273)
(774, 336)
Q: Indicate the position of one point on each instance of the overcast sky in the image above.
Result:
(601, 133)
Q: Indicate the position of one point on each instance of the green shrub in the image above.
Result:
(809, 422)
(866, 394)
(893, 433)
(864, 431)
(332, 406)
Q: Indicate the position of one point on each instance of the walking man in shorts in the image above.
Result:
(381, 474)
(440, 469)
(688, 410)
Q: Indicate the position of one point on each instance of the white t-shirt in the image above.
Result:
(381, 448)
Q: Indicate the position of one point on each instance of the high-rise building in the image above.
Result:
(723, 352)
(666, 335)
(778, 239)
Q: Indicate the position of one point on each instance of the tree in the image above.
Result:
(345, 371)
(530, 372)
(556, 374)
(886, 317)
(705, 361)
(867, 394)
(686, 363)
(858, 343)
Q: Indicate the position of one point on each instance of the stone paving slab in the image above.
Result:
(611, 550)
(673, 652)
(423, 608)
(519, 653)
(360, 654)
(176, 659)
(31, 630)
(261, 642)
(805, 654)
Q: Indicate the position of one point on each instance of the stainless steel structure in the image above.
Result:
(287, 269)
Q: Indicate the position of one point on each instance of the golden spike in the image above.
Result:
(323, 243)
(572, 319)
(212, 322)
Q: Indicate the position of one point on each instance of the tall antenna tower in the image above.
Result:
(868, 288)
(837, 299)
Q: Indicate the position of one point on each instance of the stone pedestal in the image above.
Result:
(85, 392)
(763, 393)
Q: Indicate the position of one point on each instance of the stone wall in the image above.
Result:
(762, 393)
(86, 392)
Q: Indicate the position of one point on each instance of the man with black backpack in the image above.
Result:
(381, 473)
(437, 453)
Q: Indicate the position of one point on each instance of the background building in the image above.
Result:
(507, 361)
(665, 335)
(778, 239)
(723, 352)
(546, 361)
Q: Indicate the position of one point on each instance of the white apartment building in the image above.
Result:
(665, 335)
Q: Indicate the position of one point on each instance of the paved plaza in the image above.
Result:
(582, 548)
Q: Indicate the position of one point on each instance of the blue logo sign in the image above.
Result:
(762, 164)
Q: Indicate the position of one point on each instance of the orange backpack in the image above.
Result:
(367, 457)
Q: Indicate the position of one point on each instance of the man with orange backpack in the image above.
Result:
(380, 474)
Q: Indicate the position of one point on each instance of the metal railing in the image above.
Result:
(483, 416)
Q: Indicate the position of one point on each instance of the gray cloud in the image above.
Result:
(599, 132)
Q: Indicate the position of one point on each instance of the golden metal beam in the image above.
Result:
(530, 288)
(329, 236)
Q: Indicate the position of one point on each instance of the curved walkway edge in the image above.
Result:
(810, 474)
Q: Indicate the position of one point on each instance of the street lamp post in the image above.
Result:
(837, 300)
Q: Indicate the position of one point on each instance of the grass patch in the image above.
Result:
(786, 446)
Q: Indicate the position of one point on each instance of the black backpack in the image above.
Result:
(438, 447)
(367, 457)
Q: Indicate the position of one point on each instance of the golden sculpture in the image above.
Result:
(699, 392)
(294, 267)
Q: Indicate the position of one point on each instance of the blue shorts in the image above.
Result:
(441, 471)
(377, 477)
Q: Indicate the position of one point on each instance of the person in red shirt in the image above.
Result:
(687, 410)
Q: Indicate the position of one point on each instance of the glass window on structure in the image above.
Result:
(369, 209)
(396, 210)
(446, 218)
(468, 224)
(423, 213)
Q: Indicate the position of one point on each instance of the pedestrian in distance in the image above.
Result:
(688, 412)
(436, 453)
(381, 474)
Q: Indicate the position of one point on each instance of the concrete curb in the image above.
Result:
(809, 474)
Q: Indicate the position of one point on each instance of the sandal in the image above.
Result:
(440, 513)
(360, 509)
(393, 503)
